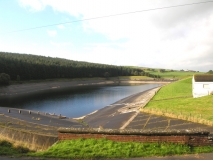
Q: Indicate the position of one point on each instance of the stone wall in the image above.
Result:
(188, 137)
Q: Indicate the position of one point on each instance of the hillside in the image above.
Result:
(32, 67)
(175, 100)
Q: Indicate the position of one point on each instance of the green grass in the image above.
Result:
(7, 148)
(102, 148)
(177, 89)
(175, 100)
(175, 74)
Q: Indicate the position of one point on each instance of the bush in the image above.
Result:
(4, 79)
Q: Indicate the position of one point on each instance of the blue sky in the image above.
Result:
(175, 38)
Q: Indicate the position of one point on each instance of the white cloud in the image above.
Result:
(60, 26)
(33, 5)
(173, 38)
(52, 33)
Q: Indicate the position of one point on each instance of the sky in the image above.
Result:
(170, 38)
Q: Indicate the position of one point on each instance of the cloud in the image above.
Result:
(52, 33)
(60, 26)
(179, 38)
(35, 5)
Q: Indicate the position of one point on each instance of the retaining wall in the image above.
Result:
(31, 140)
(188, 137)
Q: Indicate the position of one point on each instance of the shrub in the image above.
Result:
(4, 79)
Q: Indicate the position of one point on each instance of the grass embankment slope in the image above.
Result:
(102, 148)
(7, 148)
(175, 100)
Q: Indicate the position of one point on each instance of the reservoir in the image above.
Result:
(78, 102)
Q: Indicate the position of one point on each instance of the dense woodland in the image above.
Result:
(32, 67)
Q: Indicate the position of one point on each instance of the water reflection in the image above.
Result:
(77, 103)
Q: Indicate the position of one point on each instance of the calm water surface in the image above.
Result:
(82, 102)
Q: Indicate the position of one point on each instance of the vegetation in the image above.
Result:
(175, 100)
(7, 148)
(4, 79)
(102, 148)
(210, 72)
(31, 67)
(172, 74)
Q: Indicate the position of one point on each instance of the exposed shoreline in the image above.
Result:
(31, 89)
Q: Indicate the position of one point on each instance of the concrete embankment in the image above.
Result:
(33, 141)
(33, 89)
(120, 114)
(34, 128)
(17, 90)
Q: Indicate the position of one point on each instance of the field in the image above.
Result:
(174, 74)
(175, 100)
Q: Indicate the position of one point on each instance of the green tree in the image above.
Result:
(18, 78)
(210, 71)
(4, 79)
(106, 75)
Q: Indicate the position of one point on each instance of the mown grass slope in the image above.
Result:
(175, 100)
(181, 88)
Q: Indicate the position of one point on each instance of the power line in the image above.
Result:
(107, 16)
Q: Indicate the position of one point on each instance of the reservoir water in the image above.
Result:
(80, 102)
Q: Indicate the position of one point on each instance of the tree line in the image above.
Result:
(32, 67)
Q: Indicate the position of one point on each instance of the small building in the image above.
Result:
(202, 85)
